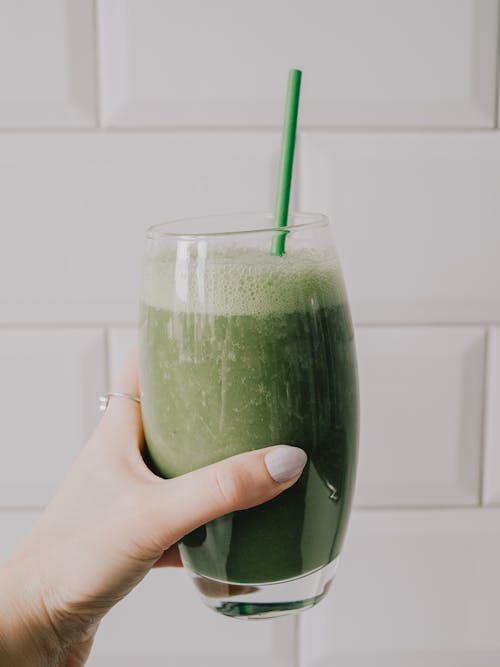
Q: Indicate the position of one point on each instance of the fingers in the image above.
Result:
(122, 419)
(127, 380)
(182, 504)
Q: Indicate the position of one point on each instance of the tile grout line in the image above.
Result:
(359, 509)
(97, 66)
(497, 70)
(64, 326)
(297, 641)
(487, 390)
(298, 172)
(369, 324)
(21, 509)
(248, 129)
(422, 508)
(366, 324)
(107, 369)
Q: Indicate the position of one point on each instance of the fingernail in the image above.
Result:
(285, 462)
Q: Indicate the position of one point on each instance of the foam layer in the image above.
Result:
(241, 281)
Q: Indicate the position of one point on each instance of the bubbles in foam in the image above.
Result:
(241, 281)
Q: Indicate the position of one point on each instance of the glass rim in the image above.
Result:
(305, 221)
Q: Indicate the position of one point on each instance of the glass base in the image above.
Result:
(265, 600)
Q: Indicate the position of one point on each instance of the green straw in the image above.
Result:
(286, 160)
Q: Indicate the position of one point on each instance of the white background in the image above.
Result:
(118, 114)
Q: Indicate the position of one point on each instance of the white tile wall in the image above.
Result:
(491, 464)
(49, 386)
(416, 220)
(413, 588)
(75, 210)
(14, 527)
(222, 64)
(421, 416)
(415, 659)
(47, 63)
(96, 102)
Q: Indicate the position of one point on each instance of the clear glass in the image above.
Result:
(241, 349)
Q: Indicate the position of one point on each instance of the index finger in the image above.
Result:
(122, 418)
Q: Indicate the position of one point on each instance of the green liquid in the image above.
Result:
(215, 385)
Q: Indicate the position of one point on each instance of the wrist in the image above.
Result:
(27, 635)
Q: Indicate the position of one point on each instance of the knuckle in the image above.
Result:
(144, 524)
(229, 482)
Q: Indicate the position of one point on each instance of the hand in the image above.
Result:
(111, 521)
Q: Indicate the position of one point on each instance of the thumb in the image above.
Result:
(242, 481)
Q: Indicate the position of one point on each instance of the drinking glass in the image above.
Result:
(241, 349)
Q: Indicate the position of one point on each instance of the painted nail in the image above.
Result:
(285, 462)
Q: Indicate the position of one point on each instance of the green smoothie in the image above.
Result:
(243, 351)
